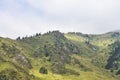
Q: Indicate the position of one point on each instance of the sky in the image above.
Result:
(27, 17)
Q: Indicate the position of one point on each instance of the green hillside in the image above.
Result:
(61, 56)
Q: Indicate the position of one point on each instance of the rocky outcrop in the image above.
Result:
(20, 58)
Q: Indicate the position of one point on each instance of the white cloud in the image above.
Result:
(25, 17)
(75, 6)
(11, 26)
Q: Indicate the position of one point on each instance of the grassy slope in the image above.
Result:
(9, 67)
(94, 74)
(88, 72)
(101, 42)
(97, 73)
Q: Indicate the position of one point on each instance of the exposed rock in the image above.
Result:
(22, 60)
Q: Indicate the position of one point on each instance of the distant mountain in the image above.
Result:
(116, 31)
(61, 56)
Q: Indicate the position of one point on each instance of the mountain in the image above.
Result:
(116, 31)
(61, 56)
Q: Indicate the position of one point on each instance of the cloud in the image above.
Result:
(11, 26)
(26, 17)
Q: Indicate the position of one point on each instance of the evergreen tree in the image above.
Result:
(18, 38)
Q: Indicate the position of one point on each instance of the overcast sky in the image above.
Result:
(27, 17)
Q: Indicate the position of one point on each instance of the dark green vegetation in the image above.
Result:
(43, 70)
(58, 56)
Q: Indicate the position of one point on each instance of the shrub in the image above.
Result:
(43, 70)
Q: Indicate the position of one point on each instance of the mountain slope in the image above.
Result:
(13, 62)
(58, 56)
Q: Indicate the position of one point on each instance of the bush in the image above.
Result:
(43, 70)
